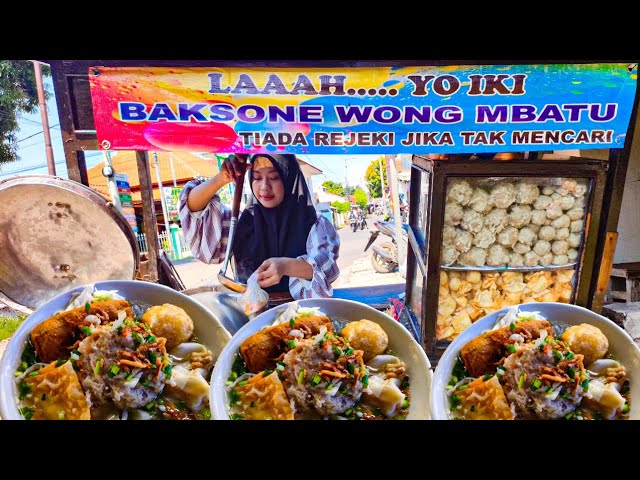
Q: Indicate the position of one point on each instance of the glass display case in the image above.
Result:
(489, 234)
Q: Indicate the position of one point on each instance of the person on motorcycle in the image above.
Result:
(353, 219)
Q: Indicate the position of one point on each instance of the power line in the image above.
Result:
(37, 133)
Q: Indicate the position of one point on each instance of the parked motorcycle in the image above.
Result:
(384, 256)
(353, 221)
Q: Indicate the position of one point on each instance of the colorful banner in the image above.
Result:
(364, 110)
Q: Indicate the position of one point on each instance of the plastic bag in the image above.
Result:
(254, 298)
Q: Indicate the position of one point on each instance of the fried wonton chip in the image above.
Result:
(264, 398)
(56, 394)
(484, 400)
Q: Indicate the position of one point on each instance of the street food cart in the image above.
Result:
(544, 146)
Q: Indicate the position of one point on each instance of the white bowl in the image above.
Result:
(400, 341)
(621, 346)
(207, 328)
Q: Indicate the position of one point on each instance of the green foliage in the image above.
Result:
(18, 93)
(341, 207)
(333, 187)
(361, 197)
(9, 324)
(372, 176)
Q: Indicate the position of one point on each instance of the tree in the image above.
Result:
(361, 197)
(18, 93)
(341, 207)
(335, 188)
(372, 176)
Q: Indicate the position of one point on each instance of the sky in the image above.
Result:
(33, 156)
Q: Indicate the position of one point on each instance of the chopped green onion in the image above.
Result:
(463, 387)
(569, 416)
(511, 348)
(25, 389)
(87, 306)
(33, 374)
(486, 377)
(571, 372)
(181, 405)
(350, 368)
(137, 337)
(625, 408)
(556, 354)
(365, 380)
(130, 377)
(204, 414)
(151, 339)
(152, 357)
(405, 403)
(149, 405)
(337, 350)
(236, 416)
(536, 384)
(113, 370)
(348, 411)
(266, 373)
(521, 380)
(60, 362)
(292, 322)
(569, 355)
(98, 367)
(301, 377)
(349, 351)
(242, 383)
(501, 367)
(316, 380)
(291, 344)
(512, 326)
(145, 382)
(455, 401)
(585, 383)
(167, 369)
(27, 412)
(75, 352)
(86, 330)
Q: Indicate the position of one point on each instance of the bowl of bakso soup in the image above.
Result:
(112, 350)
(539, 361)
(321, 359)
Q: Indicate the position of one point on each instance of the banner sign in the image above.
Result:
(364, 110)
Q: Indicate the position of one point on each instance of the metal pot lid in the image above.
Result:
(56, 234)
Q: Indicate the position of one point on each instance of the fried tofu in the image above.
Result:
(261, 349)
(481, 355)
(53, 337)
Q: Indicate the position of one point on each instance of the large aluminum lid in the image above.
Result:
(56, 234)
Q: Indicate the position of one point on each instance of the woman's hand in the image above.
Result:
(233, 167)
(271, 271)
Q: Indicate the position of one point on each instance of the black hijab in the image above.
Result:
(281, 231)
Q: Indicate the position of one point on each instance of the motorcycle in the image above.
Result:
(353, 222)
(384, 257)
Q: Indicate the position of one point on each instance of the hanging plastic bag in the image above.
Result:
(254, 298)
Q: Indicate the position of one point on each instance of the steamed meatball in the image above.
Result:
(526, 193)
(587, 340)
(171, 322)
(563, 221)
(516, 259)
(367, 336)
(480, 201)
(542, 247)
(520, 216)
(577, 226)
(576, 213)
(554, 211)
(547, 233)
(448, 234)
(503, 195)
(463, 240)
(572, 254)
(546, 259)
(448, 254)
(475, 257)
(472, 220)
(508, 237)
(547, 190)
(531, 259)
(562, 233)
(574, 240)
(521, 248)
(542, 202)
(484, 238)
(496, 220)
(567, 202)
(526, 236)
(459, 192)
(452, 214)
(538, 217)
(497, 255)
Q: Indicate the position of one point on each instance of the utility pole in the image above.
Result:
(384, 195)
(163, 201)
(393, 190)
(111, 182)
(173, 172)
(45, 118)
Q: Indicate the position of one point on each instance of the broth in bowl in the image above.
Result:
(538, 361)
(322, 359)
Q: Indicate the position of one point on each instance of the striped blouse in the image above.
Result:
(207, 231)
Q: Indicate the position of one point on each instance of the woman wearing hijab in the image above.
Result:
(279, 235)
